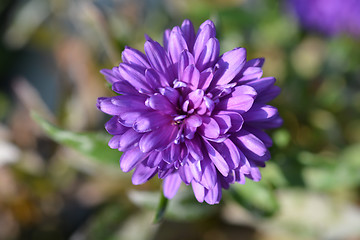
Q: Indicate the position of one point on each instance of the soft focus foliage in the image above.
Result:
(50, 60)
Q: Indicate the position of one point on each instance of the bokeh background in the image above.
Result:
(59, 180)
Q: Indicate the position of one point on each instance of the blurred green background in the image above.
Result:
(59, 180)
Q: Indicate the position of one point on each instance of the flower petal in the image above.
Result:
(171, 185)
(176, 45)
(269, 94)
(159, 59)
(239, 104)
(251, 146)
(206, 31)
(134, 57)
(209, 55)
(229, 65)
(213, 196)
(209, 175)
(129, 138)
(224, 122)
(150, 121)
(114, 127)
(196, 97)
(109, 75)
(209, 128)
(142, 174)
(131, 158)
(199, 191)
(260, 112)
(158, 139)
(135, 75)
(189, 33)
(217, 159)
(160, 103)
(191, 76)
(194, 148)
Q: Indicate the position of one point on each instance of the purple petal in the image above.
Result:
(129, 138)
(262, 84)
(224, 122)
(186, 174)
(109, 75)
(191, 76)
(217, 159)
(209, 55)
(195, 169)
(114, 142)
(236, 120)
(171, 185)
(274, 122)
(189, 33)
(229, 65)
(128, 118)
(239, 104)
(114, 127)
(206, 77)
(249, 74)
(119, 104)
(135, 75)
(206, 31)
(166, 36)
(213, 196)
(151, 121)
(160, 103)
(154, 159)
(134, 56)
(230, 152)
(131, 158)
(185, 59)
(158, 139)
(260, 112)
(194, 148)
(142, 174)
(124, 88)
(159, 59)
(209, 128)
(154, 80)
(199, 191)
(269, 94)
(251, 146)
(171, 154)
(209, 175)
(171, 94)
(264, 137)
(176, 45)
(244, 90)
(196, 97)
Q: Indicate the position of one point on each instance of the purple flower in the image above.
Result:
(189, 115)
(331, 17)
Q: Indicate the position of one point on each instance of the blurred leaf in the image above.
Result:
(273, 175)
(257, 197)
(93, 145)
(332, 173)
(182, 207)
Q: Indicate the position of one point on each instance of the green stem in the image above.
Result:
(161, 209)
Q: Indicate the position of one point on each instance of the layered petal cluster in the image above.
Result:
(331, 17)
(189, 115)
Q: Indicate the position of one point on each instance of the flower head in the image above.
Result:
(331, 17)
(189, 115)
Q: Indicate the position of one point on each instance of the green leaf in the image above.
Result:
(183, 206)
(257, 197)
(92, 145)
